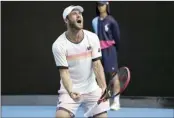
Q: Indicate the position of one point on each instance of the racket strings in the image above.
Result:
(122, 76)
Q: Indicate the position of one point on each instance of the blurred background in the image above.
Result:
(29, 29)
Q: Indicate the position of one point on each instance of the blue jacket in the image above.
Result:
(107, 31)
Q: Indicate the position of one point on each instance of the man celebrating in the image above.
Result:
(77, 55)
(107, 29)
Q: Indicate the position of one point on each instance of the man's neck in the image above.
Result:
(103, 15)
(74, 35)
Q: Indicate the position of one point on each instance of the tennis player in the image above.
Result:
(107, 29)
(77, 55)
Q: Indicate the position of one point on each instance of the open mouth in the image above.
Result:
(79, 21)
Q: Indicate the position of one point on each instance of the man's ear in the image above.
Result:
(66, 20)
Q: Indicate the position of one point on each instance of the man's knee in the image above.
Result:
(63, 113)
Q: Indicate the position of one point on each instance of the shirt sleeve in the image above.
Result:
(59, 54)
(96, 49)
(95, 24)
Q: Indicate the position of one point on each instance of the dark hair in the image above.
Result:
(107, 9)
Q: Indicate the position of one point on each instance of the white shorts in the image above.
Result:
(66, 103)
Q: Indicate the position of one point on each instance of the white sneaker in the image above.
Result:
(115, 106)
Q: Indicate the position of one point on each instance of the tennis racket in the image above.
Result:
(123, 75)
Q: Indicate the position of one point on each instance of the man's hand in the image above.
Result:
(75, 96)
(105, 94)
(103, 89)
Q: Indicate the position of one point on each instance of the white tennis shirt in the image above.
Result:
(78, 58)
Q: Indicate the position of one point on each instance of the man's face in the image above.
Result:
(102, 8)
(75, 19)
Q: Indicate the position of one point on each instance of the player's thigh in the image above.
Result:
(91, 99)
(63, 113)
(66, 107)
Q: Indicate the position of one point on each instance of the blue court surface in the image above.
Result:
(49, 111)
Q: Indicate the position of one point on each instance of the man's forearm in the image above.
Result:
(99, 72)
(66, 80)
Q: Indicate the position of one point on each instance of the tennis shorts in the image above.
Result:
(109, 59)
(109, 62)
(65, 102)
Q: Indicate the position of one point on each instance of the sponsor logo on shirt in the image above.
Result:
(106, 27)
(89, 48)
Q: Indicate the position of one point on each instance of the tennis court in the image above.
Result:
(49, 111)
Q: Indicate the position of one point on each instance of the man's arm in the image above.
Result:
(97, 66)
(99, 72)
(64, 74)
(59, 53)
